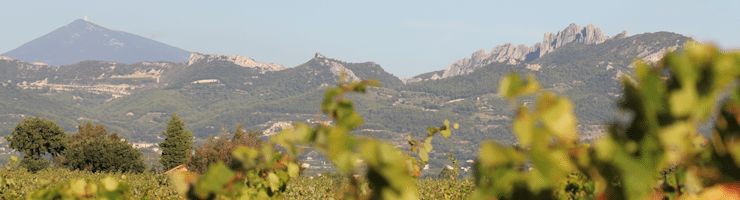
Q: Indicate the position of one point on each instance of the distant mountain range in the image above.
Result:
(512, 54)
(84, 40)
(214, 90)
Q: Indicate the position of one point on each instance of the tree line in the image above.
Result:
(43, 144)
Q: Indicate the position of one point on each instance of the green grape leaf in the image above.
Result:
(214, 180)
(423, 156)
(512, 86)
(446, 133)
(428, 144)
(182, 181)
(78, 187)
(523, 126)
(110, 184)
(432, 130)
(557, 115)
(682, 101)
(274, 181)
(293, 169)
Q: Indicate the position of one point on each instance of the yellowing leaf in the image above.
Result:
(557, 115)
(78, 187)
(446, 133)
(523, 126)
(110, 184)
(274, 181)
(423, 156)
(682, 101)
(213, 180)
(293, 169)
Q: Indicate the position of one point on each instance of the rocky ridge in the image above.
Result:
(423, 77)
(238, 60)
(6, 58)
(336, 68)
(512, 54)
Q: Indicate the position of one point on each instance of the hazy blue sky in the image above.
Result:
(405, 37)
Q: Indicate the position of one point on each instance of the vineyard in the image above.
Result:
(653, 151)
(158, 186)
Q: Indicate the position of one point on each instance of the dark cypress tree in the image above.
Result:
(177, 145)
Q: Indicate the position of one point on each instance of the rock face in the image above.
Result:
(621, 35)
(6, 58)
(238, 60)
(318, 55)
(424, 77)
(84, 40)
(512, 54)
(336, 68)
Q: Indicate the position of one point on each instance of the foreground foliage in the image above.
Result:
(62, 183)
(665, 103)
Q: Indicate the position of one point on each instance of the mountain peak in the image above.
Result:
(318, 55)
(85, 40)
(512, 54)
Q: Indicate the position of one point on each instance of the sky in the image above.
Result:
(406, 38)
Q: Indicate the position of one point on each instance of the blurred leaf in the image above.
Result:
(523, 126)
(557, 115)
(293, 169)
(213, 180)
(274, 181)
(512, 86)
(110, 184)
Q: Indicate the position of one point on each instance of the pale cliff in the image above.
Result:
(512, 54)
(238, 60)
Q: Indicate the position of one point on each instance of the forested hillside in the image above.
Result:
(211, 91)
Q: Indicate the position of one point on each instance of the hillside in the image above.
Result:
(214, 90)
(17, 104)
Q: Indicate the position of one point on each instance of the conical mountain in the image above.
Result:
(84, 40)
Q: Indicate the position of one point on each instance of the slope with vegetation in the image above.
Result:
(653, 153)
(211, 91)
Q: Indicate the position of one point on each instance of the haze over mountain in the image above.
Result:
(84, 40)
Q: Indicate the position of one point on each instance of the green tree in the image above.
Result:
(94, 150)
(34, 137)
(177, 144)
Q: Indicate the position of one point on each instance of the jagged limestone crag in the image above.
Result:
(509, 53)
